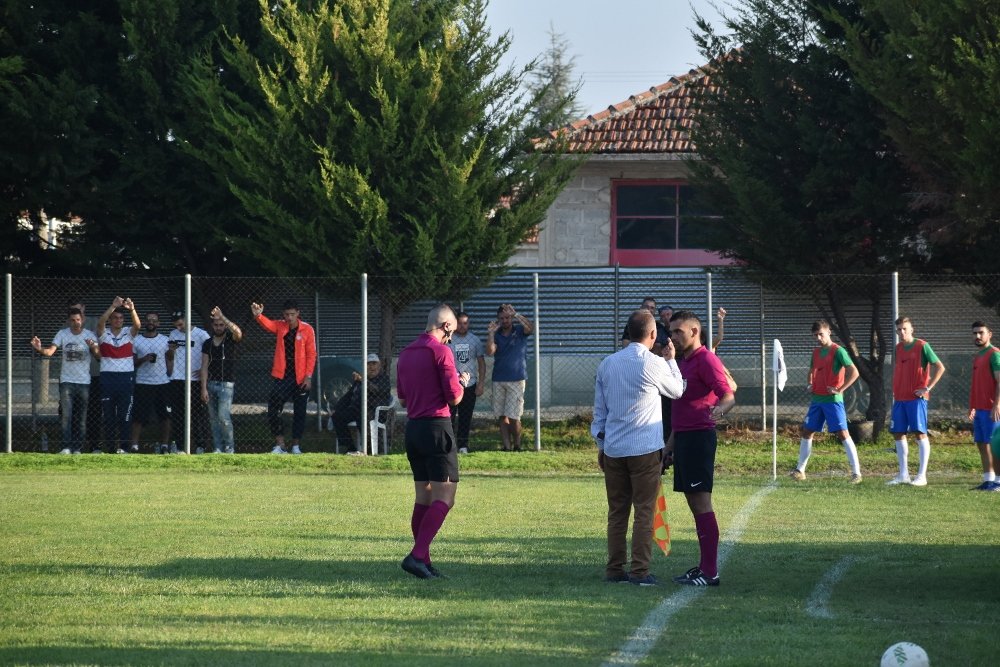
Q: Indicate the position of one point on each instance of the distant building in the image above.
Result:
(630, 203)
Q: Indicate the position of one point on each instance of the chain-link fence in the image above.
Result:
(578, 315)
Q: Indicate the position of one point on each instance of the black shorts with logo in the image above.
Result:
(151, 399)
(694, 460)
(431, 450)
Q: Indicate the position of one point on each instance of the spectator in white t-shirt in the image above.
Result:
(177, 340)
(152, 382)
(74, 378)
(117, 371)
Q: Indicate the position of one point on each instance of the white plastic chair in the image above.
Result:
(377, 426)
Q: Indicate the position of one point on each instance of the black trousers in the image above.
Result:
(461, 416)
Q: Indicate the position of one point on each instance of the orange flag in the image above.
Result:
(661, 529)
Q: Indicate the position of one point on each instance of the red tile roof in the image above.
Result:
(655, 121)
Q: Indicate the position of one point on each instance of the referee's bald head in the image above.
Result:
(439, 315)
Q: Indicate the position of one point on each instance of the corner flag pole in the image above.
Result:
(780, 377)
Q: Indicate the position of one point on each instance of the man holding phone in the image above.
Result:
(292, 370)
(152, 382)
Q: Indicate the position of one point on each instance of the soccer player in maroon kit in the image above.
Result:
(427, 385)
(706, 398)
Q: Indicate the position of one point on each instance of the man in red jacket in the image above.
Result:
(292, 370)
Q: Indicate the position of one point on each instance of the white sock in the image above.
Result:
(902, 454)
(989, 476)
(924, 449)
(805, 449)
(852, 455)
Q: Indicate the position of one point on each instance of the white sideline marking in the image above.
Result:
(638, 646)
(816, 605)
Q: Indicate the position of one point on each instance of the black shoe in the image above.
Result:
(436, 573)
(417, 568)
(648, 580)
(695, 577)
(620, 578)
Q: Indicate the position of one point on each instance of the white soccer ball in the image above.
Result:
(905, 653)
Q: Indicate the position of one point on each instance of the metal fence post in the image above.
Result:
(9, 330)
(763, 367)
(363, 422)
(614, 320)
(538, 373)
(708, 315)
(187, 362)
(319, 366)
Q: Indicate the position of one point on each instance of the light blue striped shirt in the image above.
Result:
(627, 400)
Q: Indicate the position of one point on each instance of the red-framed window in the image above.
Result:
(657, 223)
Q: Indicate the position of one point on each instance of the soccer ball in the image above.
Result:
(905, 653)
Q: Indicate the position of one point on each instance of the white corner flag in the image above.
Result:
(779, 365)
(780, 377)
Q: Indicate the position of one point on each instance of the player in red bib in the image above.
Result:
(984, 402)
(831, 372)
(916, 369)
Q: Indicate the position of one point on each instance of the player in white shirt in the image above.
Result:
(175, 353)
(152, 383)
(74, 378)
(117, 371)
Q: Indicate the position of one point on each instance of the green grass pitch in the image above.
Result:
(249, 560)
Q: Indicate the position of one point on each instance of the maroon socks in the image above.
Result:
(418, 515)
(708, 541)
(431, 522)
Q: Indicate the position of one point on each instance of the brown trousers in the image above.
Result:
(631, 481)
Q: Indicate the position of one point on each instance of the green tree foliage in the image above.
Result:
(934, 67)
(90, 112)
(792, 154)
(378, 136)
(553, 85)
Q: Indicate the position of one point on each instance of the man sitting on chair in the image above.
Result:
(348, 407)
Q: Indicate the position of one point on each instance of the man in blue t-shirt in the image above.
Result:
(507, 343)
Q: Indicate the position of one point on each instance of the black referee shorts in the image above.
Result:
(431, 450)
(694, 460)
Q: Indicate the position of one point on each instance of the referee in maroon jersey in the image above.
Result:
(427, 384)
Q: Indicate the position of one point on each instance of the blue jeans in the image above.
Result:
(73, 400)
(220, 413)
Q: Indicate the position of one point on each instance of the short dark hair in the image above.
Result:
(649, 298)
(821, 324)
(72, 301)
(980, 323)
(639, 323)
(684, 315)
(290, 304)
(120, 311)
(75, 311)
(903, 319)
(461, 314)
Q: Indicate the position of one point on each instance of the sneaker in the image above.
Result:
(987, 486)
(230, 450)
(695, 577)
(417, 568)
(134, 449)
(355, 452)
(900, 479)
(77, 451)
(919, 480)
(296, 450)
(278, 449)
(463, 450)
(436, 572)
(66, 451)
(120, 451)
(797, 475)
(97, 451)
(621, 578)
(648, 580)
(216, 451)
(855, 478)
(199, 450)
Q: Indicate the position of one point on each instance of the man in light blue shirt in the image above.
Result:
(628, 428)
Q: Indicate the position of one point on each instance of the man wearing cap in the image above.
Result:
(348, 408)
(292, 370)
(176, 342)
